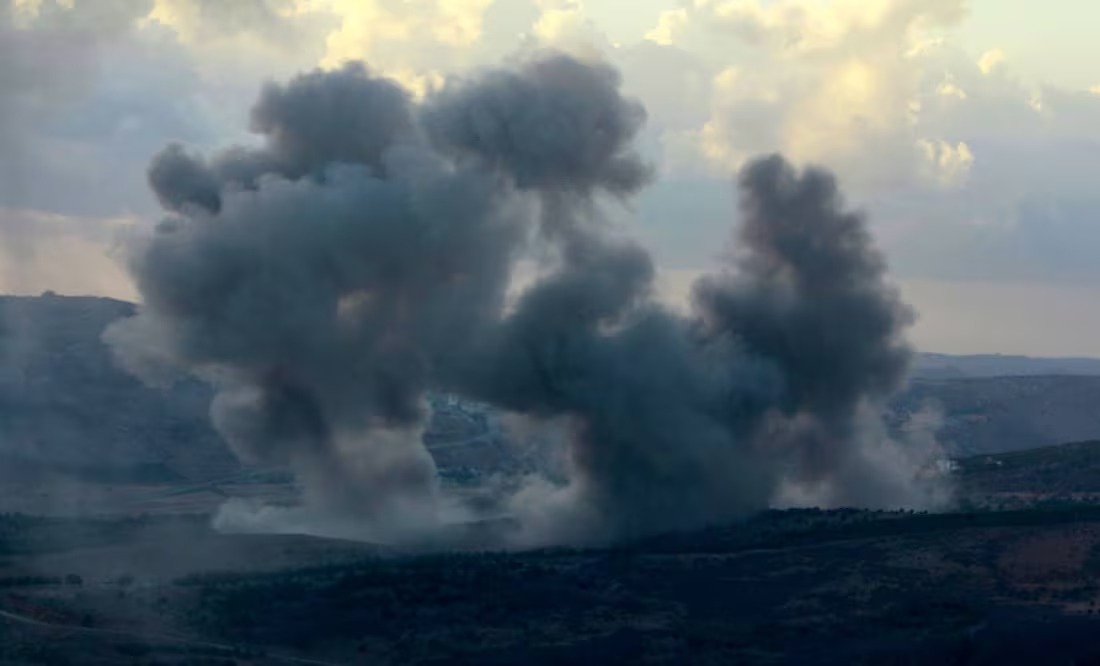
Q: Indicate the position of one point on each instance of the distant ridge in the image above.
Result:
(66, 408)
(945, 366)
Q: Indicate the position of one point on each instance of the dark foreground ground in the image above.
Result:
(796, 587)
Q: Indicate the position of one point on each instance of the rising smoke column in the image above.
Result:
(314, 280)
(806, 289)
(778, 379)
(326, 281)
(587, 342)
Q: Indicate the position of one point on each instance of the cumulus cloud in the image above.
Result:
(91, 89)
(50, 52)
(279, 22)
(833, 83)
(670, 25)
(969, 168)
(990, 60)
(411, 36)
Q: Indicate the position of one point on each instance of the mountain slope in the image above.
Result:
(944, 366)
(1063, 470)
(994, 414)
(65, 405)
(66, 408)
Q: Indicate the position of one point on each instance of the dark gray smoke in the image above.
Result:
(807, 291)
(320, 119)
(361, 258)
(555, 125)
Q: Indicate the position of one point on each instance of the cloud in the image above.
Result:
(49, 54)
(559, 19)
(670, 25)
(830, 83)
(66, 254)
(969, 171)
(276, 21)
(673, 83)
(422, 34)
(92, 105)
(967, 168)
(990, 60)
(946, 164)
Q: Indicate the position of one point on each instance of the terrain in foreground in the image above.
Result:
(107, 555)
(800, 586)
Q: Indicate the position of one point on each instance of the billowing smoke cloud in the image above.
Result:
(557, 125)
(327, 281)
(807, 292)
(323, 118)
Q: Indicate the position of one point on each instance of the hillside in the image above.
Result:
(995, 414)
(65, 408)
(1066, 470)
(945, 366)
(68, 412)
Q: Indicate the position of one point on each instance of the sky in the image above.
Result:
(967, 132)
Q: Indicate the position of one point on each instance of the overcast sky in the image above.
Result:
(968, 131)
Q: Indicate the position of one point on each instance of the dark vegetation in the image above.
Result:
(1011, 577)
(997, 414)
(1066, 470)
(789, 587)
(34, 535)
(796, 586)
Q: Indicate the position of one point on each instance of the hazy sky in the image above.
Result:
(968, 131)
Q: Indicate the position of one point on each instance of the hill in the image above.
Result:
(1066, 471)
(66, 409)
(945, 366)
(996, 414)
(69, 415)
(65, 406)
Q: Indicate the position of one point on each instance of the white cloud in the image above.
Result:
(420, 34)
(559, 18)
(990, 60)
(968, 171)
(946, 164)
(950, 89)
(670, 25)
(839, 84)
(803, 27)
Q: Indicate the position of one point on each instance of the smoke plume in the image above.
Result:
(329, 280)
